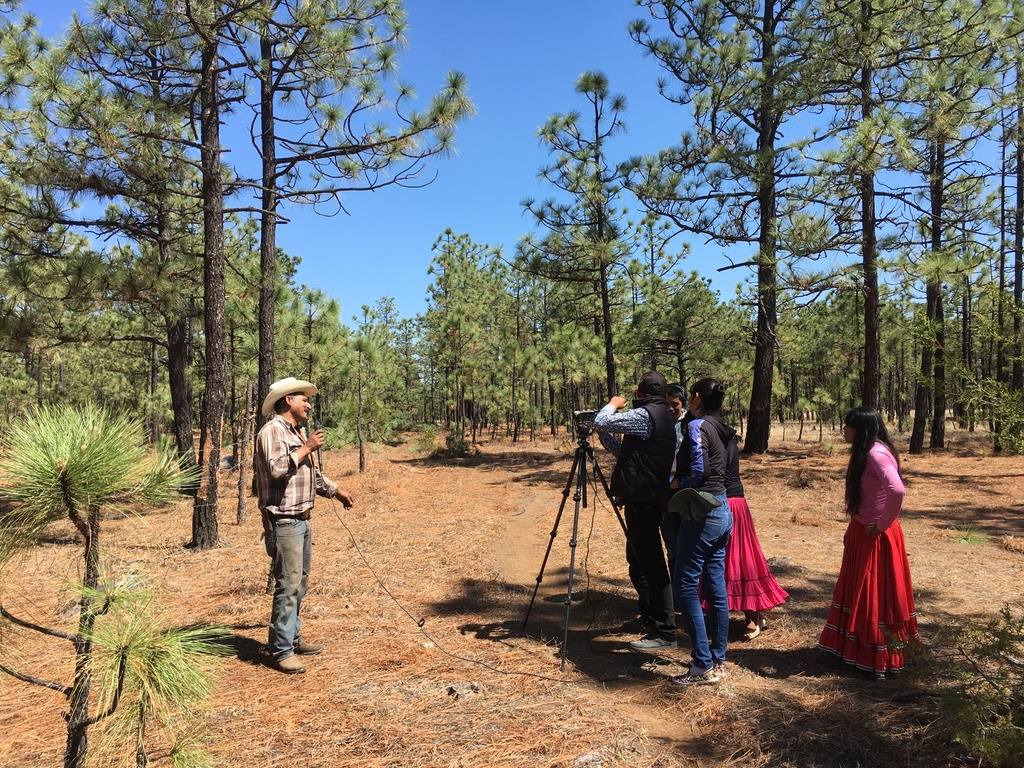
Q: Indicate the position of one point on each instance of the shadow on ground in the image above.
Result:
(994, 520)
(244, 648)
(599, 628)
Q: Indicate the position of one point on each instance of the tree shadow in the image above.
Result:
(506, 460)
(992, 520)
(780, 663)
(857, 724)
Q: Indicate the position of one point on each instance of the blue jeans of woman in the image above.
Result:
(700, 551)
(292, 551)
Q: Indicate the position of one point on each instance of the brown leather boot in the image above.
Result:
(289, 665)
(307, 649)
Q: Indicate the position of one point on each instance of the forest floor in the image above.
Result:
(459, 542)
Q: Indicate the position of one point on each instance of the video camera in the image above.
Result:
(583, 421)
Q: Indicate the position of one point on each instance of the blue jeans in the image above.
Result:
(700, 551)
(292, 551)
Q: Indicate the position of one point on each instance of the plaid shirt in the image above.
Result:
(284, 487)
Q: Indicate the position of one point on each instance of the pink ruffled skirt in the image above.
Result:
(749, 583)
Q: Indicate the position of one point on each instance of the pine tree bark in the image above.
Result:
(1000, 319)
(966, 351)
(359, 412)
(179, 334)
(923, 387)
(78, 710)
(759, 416)
(1017, 378)
(869, 250)
(937, 319)
(247, 419)
(204, 513)
(606, 322)
(268, 225)
(154, 385)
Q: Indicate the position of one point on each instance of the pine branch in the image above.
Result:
(121, 666)
(35, 680)
(36, 627)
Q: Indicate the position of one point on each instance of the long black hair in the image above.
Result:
(868, 428)
(712, 393)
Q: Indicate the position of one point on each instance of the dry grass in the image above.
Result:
(1013, 544)
(459, 543)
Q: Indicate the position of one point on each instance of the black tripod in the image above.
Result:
(584, 455)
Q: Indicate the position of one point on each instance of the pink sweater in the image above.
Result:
(881, 489)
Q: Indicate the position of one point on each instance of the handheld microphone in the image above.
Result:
(317, 426)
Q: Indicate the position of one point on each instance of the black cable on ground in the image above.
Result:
(421, 622)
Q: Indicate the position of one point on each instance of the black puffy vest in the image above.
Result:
(641, 473)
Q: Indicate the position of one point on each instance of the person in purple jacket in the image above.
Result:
(700, 547)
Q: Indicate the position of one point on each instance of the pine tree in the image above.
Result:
(745, 69)
(583, 237)
(322, 71)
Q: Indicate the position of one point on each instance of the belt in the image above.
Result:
(302, 516)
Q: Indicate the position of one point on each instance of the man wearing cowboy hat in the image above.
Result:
(286, 481)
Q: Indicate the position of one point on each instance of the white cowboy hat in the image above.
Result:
(282, 387)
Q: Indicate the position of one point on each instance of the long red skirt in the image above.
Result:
(749, 583)
(872, 616)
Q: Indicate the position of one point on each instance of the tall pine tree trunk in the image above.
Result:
(204, 513)
(759, 418)
(179, 331)
(268, 225)
(1000, 320)
(1017, 379)
(606, 322)
(938, 320)
(966, 351)
(359, 411)
(923, 387)
(248, 420)
(154, 401)
(869, 251)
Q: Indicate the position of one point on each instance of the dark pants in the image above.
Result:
(647, 569)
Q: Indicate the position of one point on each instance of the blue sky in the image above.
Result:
(521, 60)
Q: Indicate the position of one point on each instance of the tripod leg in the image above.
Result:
(579, 499)
(554, 532)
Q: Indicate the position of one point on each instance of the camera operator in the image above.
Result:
(644, 463)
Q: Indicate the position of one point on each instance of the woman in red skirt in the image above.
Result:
(872, 615)
(749, 583)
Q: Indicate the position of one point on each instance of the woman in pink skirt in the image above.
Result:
(749, 583)
(872, 614)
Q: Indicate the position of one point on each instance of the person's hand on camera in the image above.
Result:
(618, 401)
(347, 499)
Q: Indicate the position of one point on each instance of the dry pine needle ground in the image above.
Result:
(459, 543)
